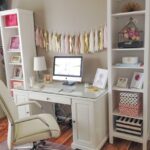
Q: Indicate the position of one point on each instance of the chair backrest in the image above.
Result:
(7, 103)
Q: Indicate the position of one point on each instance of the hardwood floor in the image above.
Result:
(66, 139)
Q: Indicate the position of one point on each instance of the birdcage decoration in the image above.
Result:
(130, 36)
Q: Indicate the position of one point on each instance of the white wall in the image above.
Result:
(70, 16)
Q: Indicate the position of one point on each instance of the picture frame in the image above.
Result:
(15, 59)
(14, 43)
(100, 79)
(137, 80)
(47, 78)
(122, 82)
(16, 84)
(17, 72)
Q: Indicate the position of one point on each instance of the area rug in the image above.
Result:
(3, 129)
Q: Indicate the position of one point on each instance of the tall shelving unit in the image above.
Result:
(24, 30)
(116, 21)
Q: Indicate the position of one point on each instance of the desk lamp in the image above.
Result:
(39, 67)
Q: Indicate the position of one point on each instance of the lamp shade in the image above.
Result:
(39, 63)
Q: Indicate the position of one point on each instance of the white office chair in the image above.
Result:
(29, 129)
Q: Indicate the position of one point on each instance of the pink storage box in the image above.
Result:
(130, 110)
(11, 20)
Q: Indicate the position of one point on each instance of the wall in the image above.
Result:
(70, 16)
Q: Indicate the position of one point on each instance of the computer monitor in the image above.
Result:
(68, 69)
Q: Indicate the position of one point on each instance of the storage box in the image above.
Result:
(130, 110)
(11, 20)
(129, 125)
(130, 104)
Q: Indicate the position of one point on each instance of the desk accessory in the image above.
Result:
(93, 89)
(39, 66)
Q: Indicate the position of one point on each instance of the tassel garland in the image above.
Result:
(92, 42)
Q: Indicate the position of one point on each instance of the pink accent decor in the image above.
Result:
(11, 20)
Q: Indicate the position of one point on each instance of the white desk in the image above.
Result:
(89, 111)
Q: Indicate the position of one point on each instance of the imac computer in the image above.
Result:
(68, 69)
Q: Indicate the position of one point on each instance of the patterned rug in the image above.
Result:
(3, 129)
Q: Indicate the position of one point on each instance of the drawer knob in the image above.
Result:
(48, 99)
(73, 121)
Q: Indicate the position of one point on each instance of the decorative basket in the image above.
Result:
(130, 104)
(130, 36)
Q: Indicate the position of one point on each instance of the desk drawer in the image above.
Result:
(54, 98)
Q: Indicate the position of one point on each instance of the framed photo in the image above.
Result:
(14, 43)
(15, 59)
(47, 78)
(16, 84)
(122, 82)
(100, 79)
(137, 80)
(17, 72)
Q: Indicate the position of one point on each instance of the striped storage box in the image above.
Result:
(130, 104)
(129, 126)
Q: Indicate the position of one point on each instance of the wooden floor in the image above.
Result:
(66, 139)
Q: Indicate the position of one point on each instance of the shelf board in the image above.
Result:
(128, 49)
(127, 89)
(141, 12)
(15, 79)
(20, 64)
(11, 27)
(120, 67)
(128, 137)
(116, 113)
(14, 51)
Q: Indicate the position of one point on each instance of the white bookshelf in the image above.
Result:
(25, 31)
(116, 21)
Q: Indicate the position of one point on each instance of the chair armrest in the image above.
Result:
(30, 103)
(31, 118)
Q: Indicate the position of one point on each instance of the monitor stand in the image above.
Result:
(69, 83)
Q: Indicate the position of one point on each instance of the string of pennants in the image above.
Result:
(81, 43)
